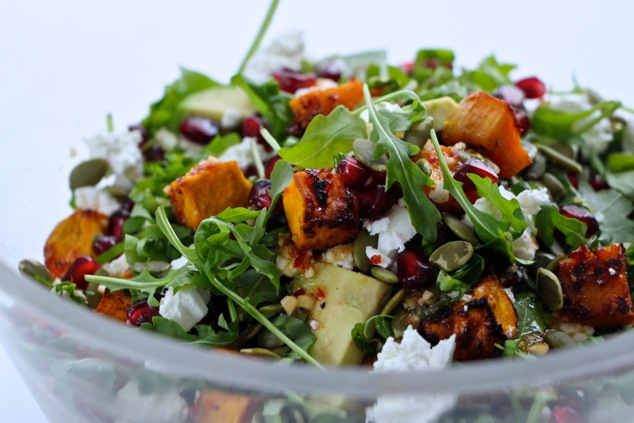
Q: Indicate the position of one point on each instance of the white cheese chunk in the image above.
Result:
(121, 151)
(158, 407)
(117, 267)
(394, 230)
(187, 307)
(91, 198)
(242, 152)
(285, 51)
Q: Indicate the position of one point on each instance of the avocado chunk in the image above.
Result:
(215, 101)
(440, 109)
(343, 298)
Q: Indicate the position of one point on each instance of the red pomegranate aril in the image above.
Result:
(511, 94)
(562, 414)
(127, 205)
(82, 266)
(291, 81)
(260, 195)
(199, 129)
(328, 70)
(477, 167)
(532, 86)
(574, 179)
(116, 222)
(413, 270)
(269, 165)
(408, 68)
(154, 154)
(103, 243)
(583, 215)
(374, 201)
(523, 122)
(353, 173)
(598, 183)
(251, 127)
(141, 312)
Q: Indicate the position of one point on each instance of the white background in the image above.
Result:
(65, 64)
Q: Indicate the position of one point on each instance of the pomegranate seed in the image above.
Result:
(103, 243)
(353, 173)
(374, 201)
(199, 129)
(477, 167)
(269, 165)
(115, 223)
(562, 414)
(127, 205)
(511, 94)
(291, 81)
(414, 271)
(251, 128)
(598, 183)
(574, 179)
(260, 195)
(140, 312)
(523, 122)
(575, 399)
(328, 70)
(533, 87)
(408, 68)
(82, 266)
(154, 154)
(583, 215)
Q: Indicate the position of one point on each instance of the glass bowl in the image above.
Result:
(83, 61)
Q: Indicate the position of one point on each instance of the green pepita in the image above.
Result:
(36, 270)
(425, 166)
(88, 173)
(267, 339)
(359, 257)
(549, 289)
(260, 352)
(384, 275)
(557, 339)
(452, 255)
(418, 134)
(271, 308)
(537, 169)
(394, 302)
(155, 268)
(460, 229)
(554, 186)
(559, 159)
(364, 152)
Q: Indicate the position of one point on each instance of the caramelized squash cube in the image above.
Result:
(71, 238)
(323, 101)
(207, 189)
(115, 305)
(217, 406)
(595, 287)
(486, 319)
(488, 124)
(321, 212)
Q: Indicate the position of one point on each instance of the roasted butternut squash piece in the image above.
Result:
(71, 238)
(216, 406)
(207, 189)
(324, 101)
(115, 305)
(488, 318)
(595, 287)
(321, 212)
(488, 125)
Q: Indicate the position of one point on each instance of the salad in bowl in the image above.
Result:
(348, 212)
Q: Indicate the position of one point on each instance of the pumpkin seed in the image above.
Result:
(384, 275)
(260, 352)
(425, 166)
(247, 334)
(36, 270)
(267, 339)
(549, 289)
(418, 134)
(400, 320)
(154, 267)
(557, 339)
(359, 257)
(272, 308)
(364, 152)
(554, 186)
(452, 255)
(88, 173)
(394, 302)
(559, 159)
(460, 229)
(537, 169)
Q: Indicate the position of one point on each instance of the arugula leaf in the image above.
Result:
(204, 334)
(324, 137)
(219, 144)
(548, 218)
(496, 233)
(510, 209)
(260, 35)
(297, 330)
(560, 125)
(530, 314)
(611, 209)
(165, 113)
(619, 162)
(401, 168)
(490, 74)
(368, 344)
(281, 177)
(622, 182)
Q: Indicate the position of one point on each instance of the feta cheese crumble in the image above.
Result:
(91, 198)
(164, 406)
(285, 51)
(121, 151)
(394, 230)
(242, 153)
(187, 307)
(117, 267)
(413, 353)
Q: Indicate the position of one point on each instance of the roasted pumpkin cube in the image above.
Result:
(323, 101)
(486, 319)
(595, 287)
(217, 406)
(488, 124)
(207, 189)
(320, 210)
(115, 305)
(71, 238)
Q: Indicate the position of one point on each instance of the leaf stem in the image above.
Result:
(259, 36)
